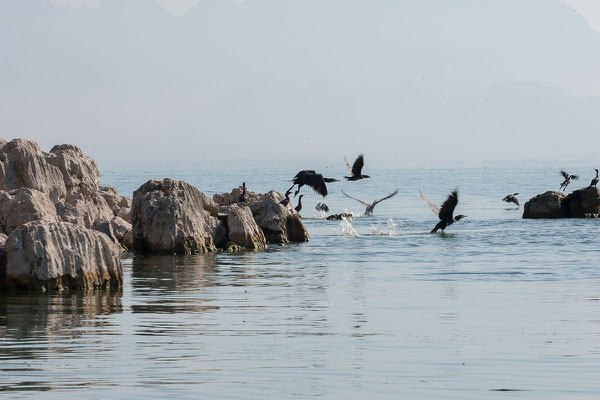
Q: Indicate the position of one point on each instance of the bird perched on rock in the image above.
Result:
(371, 206)
(595, 180)
(243, 195)
(299, 206)
(356, 169)
(312, 179)
(286, 202)
(511, 198)
(446, 212)
(322, 207)
(567, 180)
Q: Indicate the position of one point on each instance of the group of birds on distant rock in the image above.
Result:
(446, 213)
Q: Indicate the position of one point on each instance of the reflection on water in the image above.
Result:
(497, 306)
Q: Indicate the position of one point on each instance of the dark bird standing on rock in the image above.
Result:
(243, 195)
(511, 198)
(595, 180)
(322, 207)
(312, 179)
(371, 206)
(286, 202)
(567, 180)
(299, 206)
(356, 169)
(446, 212)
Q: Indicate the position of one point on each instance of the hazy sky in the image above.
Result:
(197, 82)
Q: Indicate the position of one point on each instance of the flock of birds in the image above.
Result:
(446, 213)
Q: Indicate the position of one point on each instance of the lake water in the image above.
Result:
(498, 307)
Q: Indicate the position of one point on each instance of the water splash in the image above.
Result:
(346, 228)
(387, 228)
(319, 215)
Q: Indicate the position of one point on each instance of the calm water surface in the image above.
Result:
(499, 307)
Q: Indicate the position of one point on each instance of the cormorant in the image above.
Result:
(243, 195)
(567, 180)
(595, 180)
(446, 212)
(322, 207)
(286, 202)
(356, 169)
(511, 198)
(299, 206)
(312, 179)
(371, 206)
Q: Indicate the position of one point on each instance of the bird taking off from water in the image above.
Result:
(595, 180)
(312, 179)
(511, 198)
(322, 207)
(299, 206)
(371, 206)
(356, 169)
(567, 180)
(446, 212)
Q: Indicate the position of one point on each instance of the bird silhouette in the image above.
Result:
(446, 212)
(567, 180)
(595, 180)
(511, 198)
(286, 202)
(370, 207)
(299, 206)
(356, 169)
(322, 207)
(312, 179)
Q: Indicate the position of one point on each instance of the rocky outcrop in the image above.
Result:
(24, 165)
(59, 255)
(227, 199)
(79, 172)
(23, 205)
(582, 203)
(242, 230)
(171, 216)
(339, 217)
(279, 224)
(545, 205)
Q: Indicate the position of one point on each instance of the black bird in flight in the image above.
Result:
(299, 206)
(511, 198)
(567, 180)
(312, 179)
(356, 169)
(595, 180)
(371, 206)
(446, 212)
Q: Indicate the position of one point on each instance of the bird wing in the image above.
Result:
(433, 207)
(517, 201)
(316, 182)
(515, 194)
(360, 201)
(358, 165)
(574, 177)
(448, 206)
(385, 198)
(347, 165)
(564, 174)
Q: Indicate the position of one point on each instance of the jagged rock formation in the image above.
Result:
(59, 255)
(582, 203)
(242, 230)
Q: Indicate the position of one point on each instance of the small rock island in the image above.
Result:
(59, 229)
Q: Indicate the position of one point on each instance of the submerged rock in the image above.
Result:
(171, 216)
(338, 217)
(545, 205)
(59, 255)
